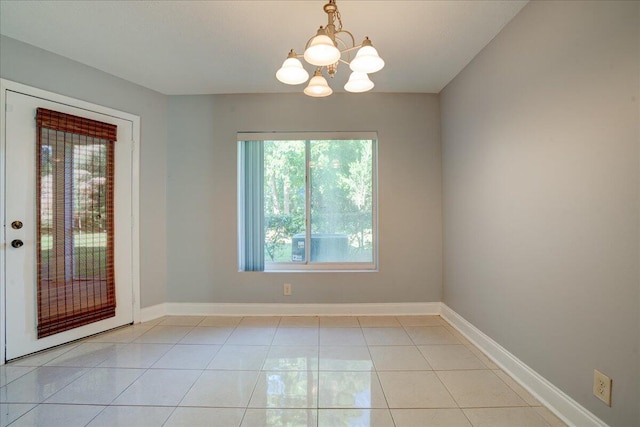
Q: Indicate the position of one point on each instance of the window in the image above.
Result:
(307, 201)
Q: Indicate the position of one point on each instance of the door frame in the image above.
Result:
(8, 85)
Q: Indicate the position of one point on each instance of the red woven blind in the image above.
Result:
(67, 123)
(75, 186)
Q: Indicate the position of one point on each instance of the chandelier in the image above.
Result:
(325, 51)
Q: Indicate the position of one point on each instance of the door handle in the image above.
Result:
(17, 243)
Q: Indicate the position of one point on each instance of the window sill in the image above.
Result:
(321, 271)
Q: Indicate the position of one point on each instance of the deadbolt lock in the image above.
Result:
(16, 225)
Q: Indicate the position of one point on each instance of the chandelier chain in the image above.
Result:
(339, 18)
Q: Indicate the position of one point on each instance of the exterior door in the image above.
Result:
(68, 205)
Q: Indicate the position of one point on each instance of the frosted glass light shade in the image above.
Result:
(358, 82)
(292, 72)
(318, 87)
(367, 60)
(321, 51)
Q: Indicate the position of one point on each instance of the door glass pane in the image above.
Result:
(341, 201)
(284, 201)
(75, 231)
(89, 208)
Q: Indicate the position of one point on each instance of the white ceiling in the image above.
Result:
(206, 47)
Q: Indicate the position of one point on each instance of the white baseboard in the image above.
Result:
(567, 409)
(153, 312)
(254, 309)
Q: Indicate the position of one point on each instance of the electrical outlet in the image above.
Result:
(287, 289)
(602, 386)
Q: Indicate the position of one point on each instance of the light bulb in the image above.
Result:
(358, 82)
(367, 60)
(321, 50)
(318, 87)
(291, 72)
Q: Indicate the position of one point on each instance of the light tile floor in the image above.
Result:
(382, 371)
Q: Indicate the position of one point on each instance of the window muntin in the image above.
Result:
(317, 188)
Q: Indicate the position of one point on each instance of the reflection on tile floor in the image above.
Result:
(375, 371)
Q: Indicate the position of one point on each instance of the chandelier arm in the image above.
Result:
(350, 49)
(294, 54)
(339, 41)
(353, 40)
(346, 50)
(306, 45)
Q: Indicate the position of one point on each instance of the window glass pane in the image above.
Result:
(341, 201)
(284, 201)
(89, 207)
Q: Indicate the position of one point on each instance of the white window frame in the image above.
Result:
(309, 266)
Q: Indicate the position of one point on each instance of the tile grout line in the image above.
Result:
(145, 370)
(255, 384)
(203, 370)
(375, 369)
(318, 388)
(112, 400)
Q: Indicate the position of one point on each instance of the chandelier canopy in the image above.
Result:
(325, 51)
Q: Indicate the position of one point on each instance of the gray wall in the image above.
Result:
(540, 139)
(35, 67)
(202, 193)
